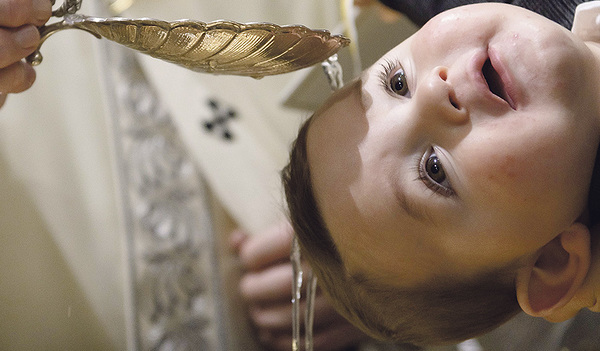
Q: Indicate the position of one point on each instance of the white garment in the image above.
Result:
(62, 283)
(62, 251)
(246, 171)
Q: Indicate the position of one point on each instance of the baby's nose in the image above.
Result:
(436, 99)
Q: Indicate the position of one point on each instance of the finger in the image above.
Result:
(388, 15)
(271, 284)
(236, 239)
(362, 3)
(16, 78)
(15, 13)
(268, 248)
(336, 338)
(278, 317)
(275, 342)
(17, 43)
(272, 318)
(339, 337)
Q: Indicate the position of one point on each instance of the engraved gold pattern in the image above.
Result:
(220, 47)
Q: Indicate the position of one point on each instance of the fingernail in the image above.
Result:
(2, 99)
(27, 37)
(265, 336)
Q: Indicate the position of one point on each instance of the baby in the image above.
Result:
(446, 189)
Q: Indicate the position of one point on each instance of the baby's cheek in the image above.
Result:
(506, 169)
(528, 176)
(505, 179)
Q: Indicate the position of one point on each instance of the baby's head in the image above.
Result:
(431, 192)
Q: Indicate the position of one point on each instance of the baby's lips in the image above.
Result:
(508, 81)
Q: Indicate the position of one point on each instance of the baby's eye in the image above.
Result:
(393, 78)
(432, 173)
(434, 169)
(398, 84)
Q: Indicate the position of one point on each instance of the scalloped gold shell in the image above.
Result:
(220, 47)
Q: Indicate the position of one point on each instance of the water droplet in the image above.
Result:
(333, 71)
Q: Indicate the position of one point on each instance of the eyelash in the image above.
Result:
(425, 179)
(386, 68)
(433, 186)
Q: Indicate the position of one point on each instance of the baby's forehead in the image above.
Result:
(333, 137)
(333, 123)
(340, 96)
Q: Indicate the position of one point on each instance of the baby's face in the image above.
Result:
(467, 146)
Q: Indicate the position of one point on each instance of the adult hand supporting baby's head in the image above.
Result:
(266, 286)
(19, 37)
(386, 14)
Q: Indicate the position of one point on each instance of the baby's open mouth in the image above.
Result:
(495, 83)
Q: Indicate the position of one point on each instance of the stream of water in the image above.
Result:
(333, 72)
(296, 294)
(311, 291)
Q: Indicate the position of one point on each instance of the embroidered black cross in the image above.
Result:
(220, 118)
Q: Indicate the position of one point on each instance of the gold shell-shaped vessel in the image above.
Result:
(220, 47)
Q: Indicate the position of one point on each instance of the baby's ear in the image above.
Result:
(554, 274)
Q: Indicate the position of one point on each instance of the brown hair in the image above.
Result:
(444, 311)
